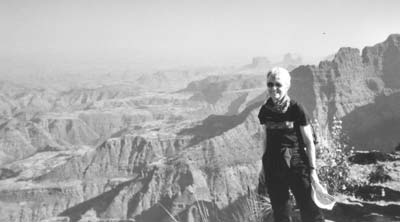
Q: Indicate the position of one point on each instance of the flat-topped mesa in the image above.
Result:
(260, 62)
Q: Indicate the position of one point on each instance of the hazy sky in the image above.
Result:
(172, 33)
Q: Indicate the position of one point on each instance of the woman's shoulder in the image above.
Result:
(296, 106)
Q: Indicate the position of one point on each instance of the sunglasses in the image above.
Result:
(271, 84)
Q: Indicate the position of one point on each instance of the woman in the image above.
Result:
(289, 157)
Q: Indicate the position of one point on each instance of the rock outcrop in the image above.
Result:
(348, 83)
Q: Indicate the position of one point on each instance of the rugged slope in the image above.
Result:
(351, 81)
(376, 125)
(155, 167)
(226, 94)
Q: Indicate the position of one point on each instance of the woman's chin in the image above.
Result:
(276, 97)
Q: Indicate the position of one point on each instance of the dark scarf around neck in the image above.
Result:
(280, 106)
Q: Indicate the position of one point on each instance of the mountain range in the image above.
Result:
(173, 143)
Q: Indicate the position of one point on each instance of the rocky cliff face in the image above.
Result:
(351, 81)
(384, 59)
(338, 86)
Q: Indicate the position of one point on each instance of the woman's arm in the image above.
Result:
(306, 133)
(262, 173)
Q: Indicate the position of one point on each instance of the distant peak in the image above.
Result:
(395, 38)
(346, 52)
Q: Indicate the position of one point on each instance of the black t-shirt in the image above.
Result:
(283, 132)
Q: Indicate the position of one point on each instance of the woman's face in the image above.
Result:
(277, 87)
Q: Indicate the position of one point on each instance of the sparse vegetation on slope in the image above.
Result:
(332, 157)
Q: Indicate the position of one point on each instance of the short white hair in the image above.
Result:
(280, 72)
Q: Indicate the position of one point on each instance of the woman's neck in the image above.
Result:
(279, 100)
